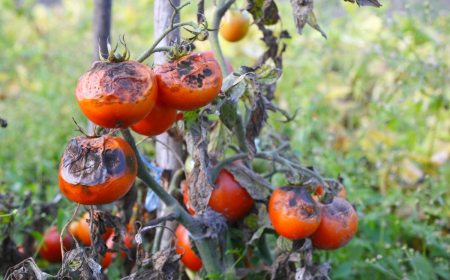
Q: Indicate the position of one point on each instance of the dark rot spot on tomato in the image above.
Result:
(293, 212)
(97, 170)
(189, 83)
(117, 95)
(338, 226)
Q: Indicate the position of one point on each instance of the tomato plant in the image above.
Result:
(338, 226)
(189, 259)
(190, 82)
(234, 25)
(160, 119)
(228, 198)
(51, 249)
(293, 212)
(97, 170)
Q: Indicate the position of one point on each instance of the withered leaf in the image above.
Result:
(214, 224)
(200, 184)
(79, 260)
(281, 268)
(263, 11)
(256, 185)
(190, 117)
(301, 10)
(312, 21)
(166, 262)
(233, 87)
(143, 275)
(220, 137)
(22, 272)
(120, 230)
(255, 124)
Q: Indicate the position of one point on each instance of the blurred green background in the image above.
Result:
(373, 98)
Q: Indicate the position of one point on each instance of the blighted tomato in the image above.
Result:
(293, 212)
(51, 249)
(97, 170)
(189, 259)
(190, 82)
(338, 226)
(160, 119)
(117, 95)
(228, 198)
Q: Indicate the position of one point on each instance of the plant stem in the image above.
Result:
(151, 49)
(222, 7)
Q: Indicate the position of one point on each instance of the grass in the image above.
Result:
(374, 107)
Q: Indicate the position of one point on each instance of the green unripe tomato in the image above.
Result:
(189, 164)
(278, 179)
(260, 165)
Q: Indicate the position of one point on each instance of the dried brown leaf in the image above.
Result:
(301, 10)
(256, 185)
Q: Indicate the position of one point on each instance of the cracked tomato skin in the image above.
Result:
(293, 212)
(189, 83)
(160, 119)
(189, 259)
(52, 250)
(97, 170)
(338, 226)
(117, 95)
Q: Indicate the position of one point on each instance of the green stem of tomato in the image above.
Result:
(205, 245)
(222, 7)
(146, 54)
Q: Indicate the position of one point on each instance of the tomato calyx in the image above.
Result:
(113, 56)
(177, 51)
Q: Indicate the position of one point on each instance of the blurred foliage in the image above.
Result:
(374, 107)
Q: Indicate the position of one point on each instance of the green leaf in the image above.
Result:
(284, 244)
(266, 74)
(251, 221)
(233, 87)
(190, 117)
(256, 235)
(228, 114)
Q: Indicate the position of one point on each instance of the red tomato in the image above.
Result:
(189, 83)
(338, 226)
(51, 249)
(97, 170)
(117, 95)
(228, 198)
(293, 212)
(160, 119)
(189, 259)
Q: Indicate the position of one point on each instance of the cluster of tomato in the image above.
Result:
(121, 93)
(51, 249)
(296, 215)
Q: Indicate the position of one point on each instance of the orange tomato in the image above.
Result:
(51, 249)
(234, 25)
(189, 259)
(160, 119)
(97, 170)
(228, 198)
(189, 83)
(117, 95)
(83, 233)
(293, 212)
(338, 226)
